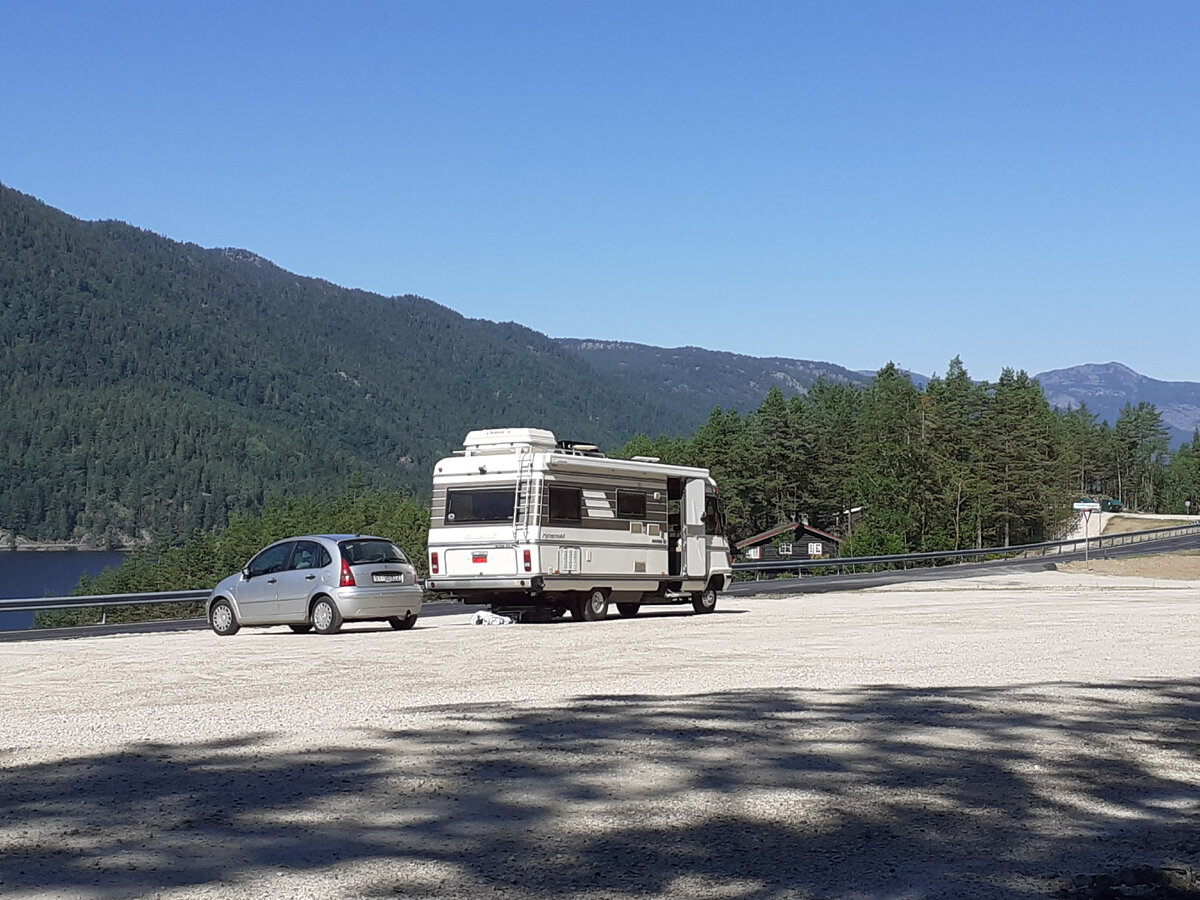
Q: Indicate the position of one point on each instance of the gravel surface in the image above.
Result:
(1011, 736)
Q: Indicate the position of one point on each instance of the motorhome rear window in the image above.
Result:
(631, 505)
(479, 506)
(566, 504)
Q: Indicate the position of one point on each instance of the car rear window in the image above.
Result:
(358, 552)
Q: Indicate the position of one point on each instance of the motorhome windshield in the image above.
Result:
(463, 506)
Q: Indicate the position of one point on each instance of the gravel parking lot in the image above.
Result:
(1008, 736)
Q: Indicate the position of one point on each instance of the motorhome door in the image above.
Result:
(695, 556)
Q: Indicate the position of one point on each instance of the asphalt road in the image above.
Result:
(166, 626)
(852, 581)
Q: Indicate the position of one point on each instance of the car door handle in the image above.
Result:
(309, 577)
(272, 580)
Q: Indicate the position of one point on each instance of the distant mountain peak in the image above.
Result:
(1106, 387)
(1095, 370)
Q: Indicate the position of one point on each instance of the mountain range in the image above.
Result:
(148, 385)
(1107, 387)
(697, 380)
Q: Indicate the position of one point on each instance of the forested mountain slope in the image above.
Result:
(151, 385)
(698, 380)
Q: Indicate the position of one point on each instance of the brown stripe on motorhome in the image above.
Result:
(656, 510)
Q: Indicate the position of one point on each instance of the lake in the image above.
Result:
(46, 573)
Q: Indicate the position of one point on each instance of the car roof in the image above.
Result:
(335, 537)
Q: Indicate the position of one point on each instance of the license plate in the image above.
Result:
(387, 578)
(478, 557)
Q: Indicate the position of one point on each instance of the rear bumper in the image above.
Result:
(453, 585)
(368, 603)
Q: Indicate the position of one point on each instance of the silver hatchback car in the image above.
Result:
(317, 582)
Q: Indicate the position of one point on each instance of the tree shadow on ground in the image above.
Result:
(876, 792)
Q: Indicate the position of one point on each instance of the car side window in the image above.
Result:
(273, 559)
(307, 555)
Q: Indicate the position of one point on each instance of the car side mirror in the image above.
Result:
(246, 573)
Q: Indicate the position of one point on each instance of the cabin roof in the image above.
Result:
(780, 529)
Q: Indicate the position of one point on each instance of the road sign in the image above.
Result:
(1087, 507)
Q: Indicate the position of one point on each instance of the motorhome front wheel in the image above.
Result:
(705, 601)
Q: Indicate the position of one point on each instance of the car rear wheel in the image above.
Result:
(705, 601)
(403, 623)
(222, 619)
(628, 610)
(325, 616)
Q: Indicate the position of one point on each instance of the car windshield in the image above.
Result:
(365, 551)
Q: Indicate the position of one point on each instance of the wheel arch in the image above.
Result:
(217, 598)
(320, 595)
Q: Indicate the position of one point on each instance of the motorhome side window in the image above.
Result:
(565, 504)
(479, 506)
(713, 519)
(631, 505)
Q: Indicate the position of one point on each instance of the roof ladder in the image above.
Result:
(522, 491)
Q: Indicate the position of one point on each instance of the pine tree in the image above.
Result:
(830, 424)
(956, 408)
(1140, 440)
(892, 466)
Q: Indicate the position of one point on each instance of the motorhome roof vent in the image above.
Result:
(503, 440)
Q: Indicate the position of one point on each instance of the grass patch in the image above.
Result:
(1122, 524)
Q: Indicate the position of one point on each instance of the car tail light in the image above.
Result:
(347, 575)
(433, 563)
(528, 562)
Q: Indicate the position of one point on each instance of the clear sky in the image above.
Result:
(1017, 183)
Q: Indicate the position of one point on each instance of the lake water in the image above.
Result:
(48, 573)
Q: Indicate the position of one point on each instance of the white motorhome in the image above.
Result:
(528, 524)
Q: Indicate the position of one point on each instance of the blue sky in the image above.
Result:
(1017, 183)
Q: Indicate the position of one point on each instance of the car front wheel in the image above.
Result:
(222, 619)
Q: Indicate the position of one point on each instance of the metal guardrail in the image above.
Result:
(93, 601)
(854, 563)
(913, 560)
